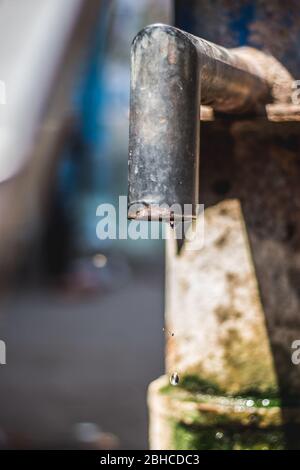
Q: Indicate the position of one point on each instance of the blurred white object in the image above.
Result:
(90, 436)
(43, 48)
(86, 432)
(33, 37)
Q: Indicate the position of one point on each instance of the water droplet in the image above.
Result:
(172, 221)
(174, 379)
(169, 332)
(249, 403)
(265, 402)
(219, 435)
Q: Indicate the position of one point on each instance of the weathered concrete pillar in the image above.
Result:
(233, 305)
(220, 345)
(214, 308)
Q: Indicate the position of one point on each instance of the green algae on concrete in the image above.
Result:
(195, 385)
(185, 418)
(188, 437)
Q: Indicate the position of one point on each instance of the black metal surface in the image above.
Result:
(170, 70)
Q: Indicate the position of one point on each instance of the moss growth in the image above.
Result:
(186, 437)
(200, 418)
(195, 385)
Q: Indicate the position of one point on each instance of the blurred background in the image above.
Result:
(82, 319)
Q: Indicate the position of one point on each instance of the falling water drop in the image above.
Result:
(172, 221)
(169, 332)
(219, 435)
(174, 379)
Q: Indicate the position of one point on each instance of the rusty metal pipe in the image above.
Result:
(172, 72)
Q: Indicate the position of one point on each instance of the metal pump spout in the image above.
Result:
(172, 73)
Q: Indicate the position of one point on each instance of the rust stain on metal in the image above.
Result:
(172, 54)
